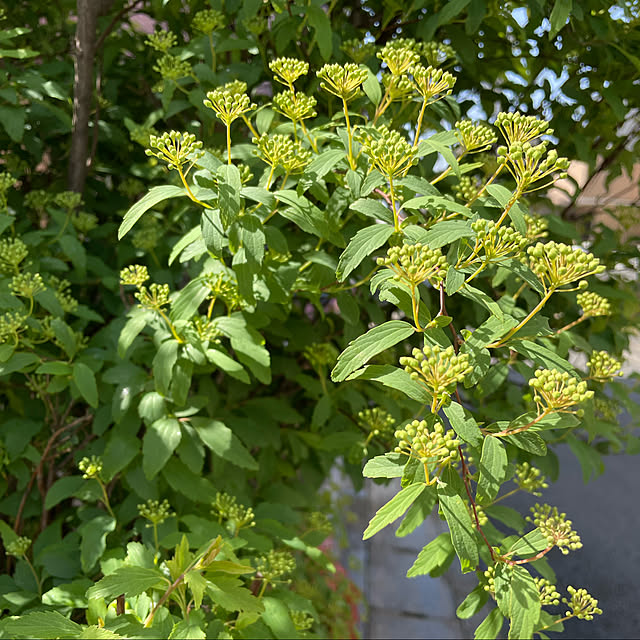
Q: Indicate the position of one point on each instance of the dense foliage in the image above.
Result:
(270, 219)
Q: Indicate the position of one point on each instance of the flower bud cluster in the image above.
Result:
(321, 355)
(84, 222)
(437, 448)
(19, 547)
(376, 421)
(172, 68)
(238, 516)
(342, 81)
(438, 370)
(548, 594)
(175, 148)
(155, 297)
(474, 137)
(161, 40)
(208, 20)
(278, 150)
(302, 620)
(275, 564)
(482, 516)
(397, 57)
(228, 105)
(593, 305)
(319, 521)
(12, 252)
(516, 127)
(436, 52)
(530, 479)
(68, 200)
(489, 575)
(11, 323)
(295, 106)
(413, 264)
(557, 264)
(497, 242)
(529, 163)
(90, 467)
(38, 199)
(6, 182)
(206, 329)
(288, 70)
(358, 50)
(155, 511)
(555, 528)
(398, 88)
(603, 367)
(388, 151)
(61, 290)
(606, 408)
(557, 390)
(536, 227)
(26, 285)
(432, 83)
(582, 605)
(467, 189)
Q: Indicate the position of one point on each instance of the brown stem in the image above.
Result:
(539, 555)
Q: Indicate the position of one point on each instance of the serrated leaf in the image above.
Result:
(85, 380)
(276, 617)
(373, 209)
(223, 442)
(389, 465)
(362, 245)
(528, 441)
(541, 355)
(441, 234)
(393, 378)
(130, 581)
(366, 346)
(393, 509)
(490, 627)
(483, 299)
(42, 624)
(472, 603)
(371, 87)
(433, 556)
(152, 198)
(559, 16)
(503, 196)
(524, 605)
(418, 512)
(530, 544)
(453, 282)
(493, 469)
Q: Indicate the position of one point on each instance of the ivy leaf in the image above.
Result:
(132, 581)
(366, 346)
(389, 465)
(363, 244)
(85, 380)
(151, 199)
(433, 557)
(458, 518)
(160, 441)
(493, 469)
(393, 509)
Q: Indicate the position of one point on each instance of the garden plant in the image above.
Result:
(289, 248)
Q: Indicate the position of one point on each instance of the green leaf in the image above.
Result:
(373, 209)
(276, 617)
(65, 336)
(389, 465)
(362, 245)
(223, 442)
(371, 87)
(493, 469)
(454, 280)
(483, 299)
(130, 581)
(230, 595)
(542, 356)
(472, 603)
(393, 509)
(589, 459)
(418, 512)
(319, 167)
(524, 605)
(212, 232)
(185, 304)
(17, 362)
(490, 627)
(93, 540)
(437, 554)
(229, 187)
(138, 318)
(464, 424)
(56, 368)
(366, 346)
(393, 378)
(62, 489)
(503, 196)
(228, 365)
(435, 144)
(189, 628)
(530, 544)
(528, 441)
(559, 16)
(458, 518)
(42, 624)
(163, 363)
(523, 272)
(441, 233)
(12, 118)
(490, 330)
(151, 199)
(321, 25)
(160, 441)
(85, 380)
